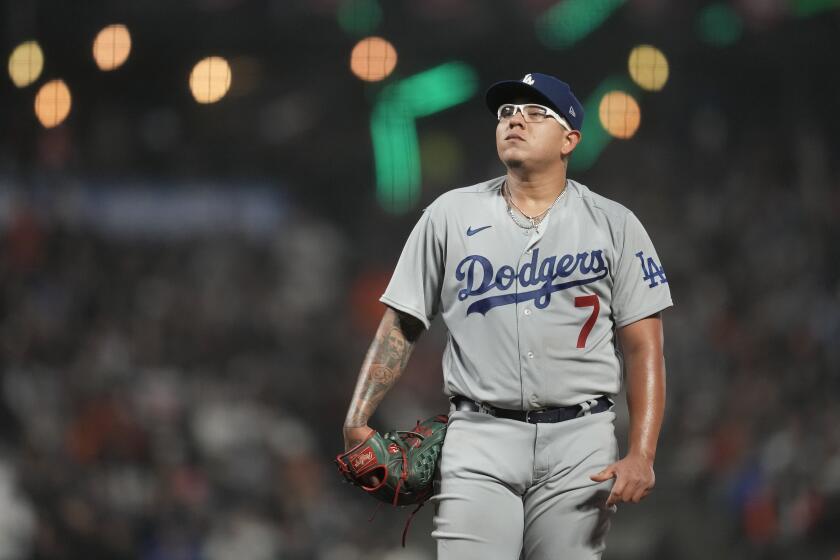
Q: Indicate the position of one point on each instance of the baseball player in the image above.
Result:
(548, 291)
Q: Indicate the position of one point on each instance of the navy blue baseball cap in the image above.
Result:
(552, 92)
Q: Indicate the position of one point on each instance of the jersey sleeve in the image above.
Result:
(640, 286)
(415, 285)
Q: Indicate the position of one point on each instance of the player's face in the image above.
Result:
(535, 144)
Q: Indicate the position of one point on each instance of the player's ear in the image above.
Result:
(570, 142)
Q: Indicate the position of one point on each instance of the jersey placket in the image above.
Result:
(527, 326)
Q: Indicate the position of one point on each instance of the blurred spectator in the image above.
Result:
(177, 357)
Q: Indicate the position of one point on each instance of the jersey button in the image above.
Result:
(530, 354)
(527, 311)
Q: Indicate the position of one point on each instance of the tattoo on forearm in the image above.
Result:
(385, 361)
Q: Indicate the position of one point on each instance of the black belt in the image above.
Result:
(558, 414)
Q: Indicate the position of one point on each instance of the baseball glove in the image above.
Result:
(397, 467)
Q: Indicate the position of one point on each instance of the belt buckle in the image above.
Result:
(586, 407)
(528, 415)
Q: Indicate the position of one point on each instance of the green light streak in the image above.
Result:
(359, 17)
(719, 25)
(436, 89)
(396, 158)
(806, 8)
(593, 136)
(394, 132)
(569, 21)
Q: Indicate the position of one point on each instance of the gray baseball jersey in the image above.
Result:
(532, 316)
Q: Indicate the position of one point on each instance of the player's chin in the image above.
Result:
(512, 159)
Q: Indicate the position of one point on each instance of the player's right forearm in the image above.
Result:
(383, 365)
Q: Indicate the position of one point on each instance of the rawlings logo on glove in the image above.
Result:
(362, 459)
(397, 467)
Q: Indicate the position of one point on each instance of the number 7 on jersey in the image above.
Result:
(587, 301)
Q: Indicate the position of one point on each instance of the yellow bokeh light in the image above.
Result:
(620, 114)
(112, 47)
(210, 79)
(373, 59)
(26, 63)
(52, 104)
(648, 67)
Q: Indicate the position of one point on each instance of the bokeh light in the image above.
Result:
(210, 79)
(620, 114)
(719, 25)
(26, 63)
(648, 67)
(570, 21)
(373, 59)
(112, 47)
(394, 131)
(595, 137)
(52, 104)
(807, 8)
(359, 17)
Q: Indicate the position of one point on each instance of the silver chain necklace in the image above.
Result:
(533, 221)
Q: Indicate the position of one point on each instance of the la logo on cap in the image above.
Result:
(528, 79)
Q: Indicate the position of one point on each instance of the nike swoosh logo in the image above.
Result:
(471, 231)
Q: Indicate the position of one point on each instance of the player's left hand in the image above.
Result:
(634, 479)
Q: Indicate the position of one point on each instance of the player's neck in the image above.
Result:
(534, 192)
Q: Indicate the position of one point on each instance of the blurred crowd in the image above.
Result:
(749, 461)
(181, 397)
(165, 399)
(176, 368)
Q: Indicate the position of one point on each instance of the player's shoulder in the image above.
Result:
(460, 197)
(599, 204)
(467, 195)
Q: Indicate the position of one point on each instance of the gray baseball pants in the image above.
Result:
(512, 490)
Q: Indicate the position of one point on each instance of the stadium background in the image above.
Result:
(188, 288)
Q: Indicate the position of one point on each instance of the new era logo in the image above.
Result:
(528, 79)
(572, 111)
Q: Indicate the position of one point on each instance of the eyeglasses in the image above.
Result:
(531, 112)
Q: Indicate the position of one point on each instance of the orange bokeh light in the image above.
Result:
(373, 59)
(620, 114)
(112, 47)
(52, 104)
